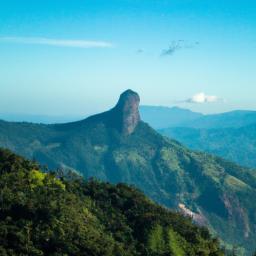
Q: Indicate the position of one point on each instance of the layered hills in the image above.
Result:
(231, 135)
(116, 146)
(168, 117)
(235, 144)
(160, 117)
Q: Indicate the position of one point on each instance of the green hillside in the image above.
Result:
(42, 214)
(235, 144)
(116, 146)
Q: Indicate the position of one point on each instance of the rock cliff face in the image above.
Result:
(127, 112)
(198, 218)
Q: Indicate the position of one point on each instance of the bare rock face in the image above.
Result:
(198, 218)
(127, 112)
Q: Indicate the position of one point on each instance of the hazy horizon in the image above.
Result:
(75, 58)
(54, 118)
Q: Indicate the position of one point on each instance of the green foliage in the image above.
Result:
(176, 243)
(218, 193)
(235, 144)
(36, 178)
(42, 214)
(156, 241)
(164, 241)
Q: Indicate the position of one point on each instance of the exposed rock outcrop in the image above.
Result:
(198, 218)
(127, 111)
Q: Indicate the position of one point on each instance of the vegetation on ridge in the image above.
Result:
(41, 214)
(217, 193)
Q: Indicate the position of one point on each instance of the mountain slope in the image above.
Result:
(235, 144)
(42, 214)
(116, 146)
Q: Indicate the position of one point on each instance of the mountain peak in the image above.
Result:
(128, 95)
(127, 111)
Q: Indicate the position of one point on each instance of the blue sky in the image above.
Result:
(62, 57)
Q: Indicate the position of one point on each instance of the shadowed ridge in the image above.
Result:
(124, 116)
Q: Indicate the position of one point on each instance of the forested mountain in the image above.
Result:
(45, 214)
(235, 144)
(44, 119)
(231, 135)
(117, 146)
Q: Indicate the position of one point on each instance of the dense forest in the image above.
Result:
(62, 214)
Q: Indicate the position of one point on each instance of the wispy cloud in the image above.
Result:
(56, 42)
(201, 97)
(139, 51)
(178, 45)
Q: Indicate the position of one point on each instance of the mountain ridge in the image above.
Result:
(168, 116)
(234, 144)
(220, 191)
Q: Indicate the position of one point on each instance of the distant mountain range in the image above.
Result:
(158, 117)
(44, 119)
(163, 117)
(233, 119)
(231, 135)
(235, 144)
(166, 117)
(117, 146)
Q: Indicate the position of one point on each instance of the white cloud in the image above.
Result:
(203, 98)
(56, 42)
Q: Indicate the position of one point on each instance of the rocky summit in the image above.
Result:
(116, 146)
(127, 111)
